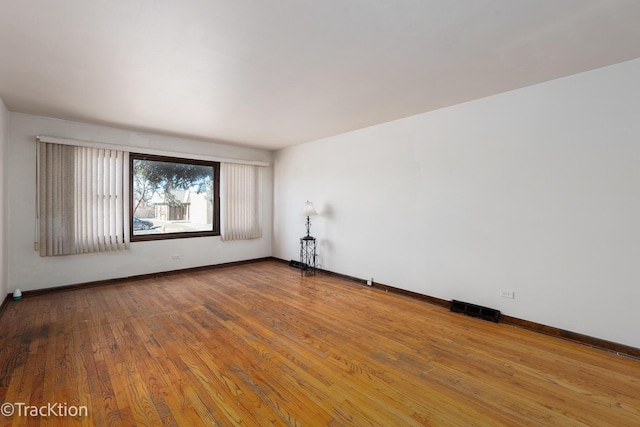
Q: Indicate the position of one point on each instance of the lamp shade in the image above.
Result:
(308, 209)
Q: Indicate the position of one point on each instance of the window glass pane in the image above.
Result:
(172, 197)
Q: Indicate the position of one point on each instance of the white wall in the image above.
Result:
(28, 271)
(535, 190)
(4, 130)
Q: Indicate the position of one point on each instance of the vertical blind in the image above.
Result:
(241, 214)
(82, 194)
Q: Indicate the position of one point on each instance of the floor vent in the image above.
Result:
(475, 310)
(297, 264)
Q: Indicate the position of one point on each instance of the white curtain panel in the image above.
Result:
(82, 199)
(241, 194)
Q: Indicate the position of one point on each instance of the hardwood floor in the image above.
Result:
(259, 345)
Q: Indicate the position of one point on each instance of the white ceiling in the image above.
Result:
(275, 73)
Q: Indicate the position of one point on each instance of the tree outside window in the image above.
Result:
(173, 197)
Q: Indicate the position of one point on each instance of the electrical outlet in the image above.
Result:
(507, 293)
(370, 282)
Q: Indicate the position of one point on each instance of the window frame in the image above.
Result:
(181, 235)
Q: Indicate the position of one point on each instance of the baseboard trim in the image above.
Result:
(620, 349)
(431, 300)
(614, 347)
(5, 303)
(106, 282)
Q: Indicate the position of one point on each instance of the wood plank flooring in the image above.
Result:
(259, 345)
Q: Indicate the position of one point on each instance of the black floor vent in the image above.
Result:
(475, 310)
(297, 264)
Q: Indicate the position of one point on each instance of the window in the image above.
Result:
(173, 197)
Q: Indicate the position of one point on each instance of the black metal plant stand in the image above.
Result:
(308, 253)
(308, 256)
